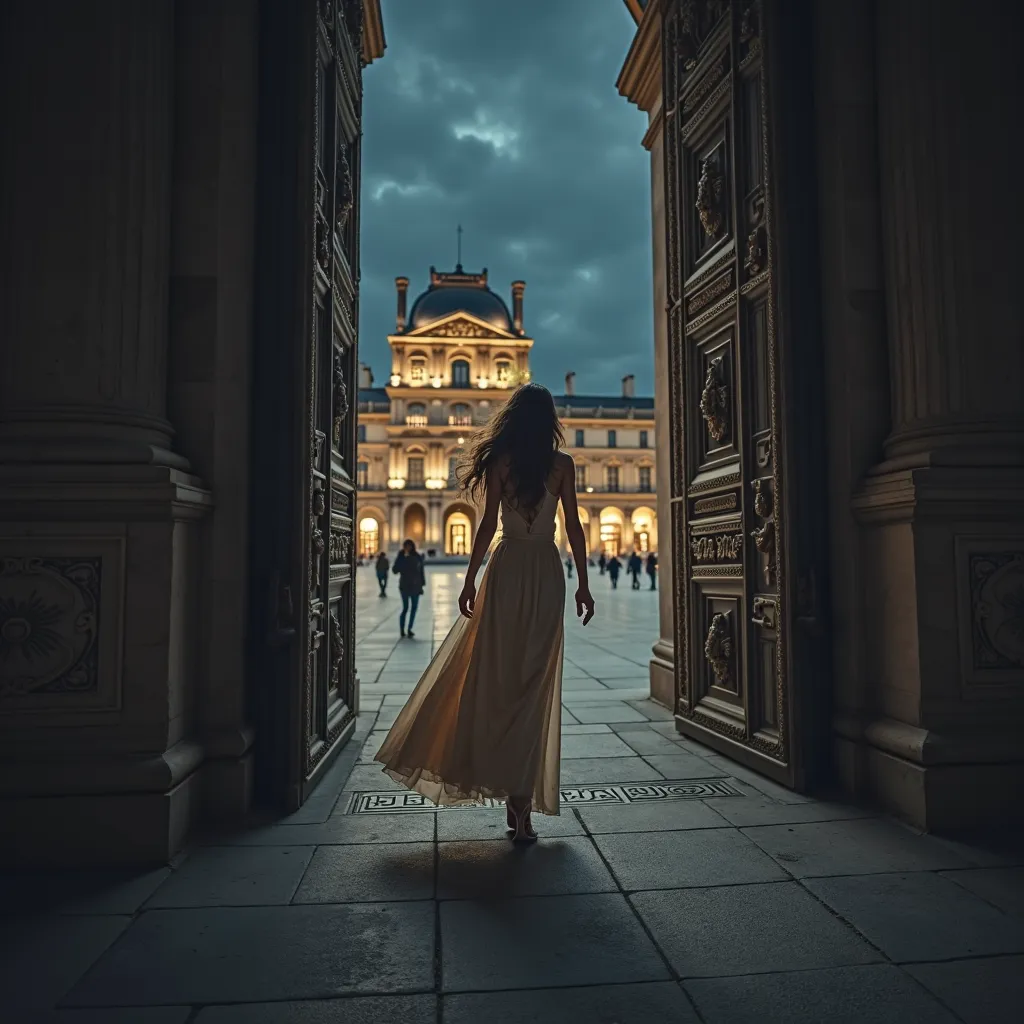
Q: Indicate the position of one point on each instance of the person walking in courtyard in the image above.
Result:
(636, 567)
(484, 720)
(652, 569)
(408, 568)
(382, 573)
(602, 563)
(614, 568)
(568, 567)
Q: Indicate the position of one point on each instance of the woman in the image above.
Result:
(408, 568)
(485, 719)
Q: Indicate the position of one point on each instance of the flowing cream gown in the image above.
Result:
(484, 720)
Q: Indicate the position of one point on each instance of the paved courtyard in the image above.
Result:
(674, 887)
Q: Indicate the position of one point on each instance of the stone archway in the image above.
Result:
(414, 523)
(612, 529)
(459, 529)
(645, 529)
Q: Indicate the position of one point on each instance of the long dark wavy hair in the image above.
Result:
(526, 431)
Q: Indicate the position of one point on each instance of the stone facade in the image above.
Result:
(451, 368)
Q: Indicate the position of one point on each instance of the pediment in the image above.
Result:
(459, 325)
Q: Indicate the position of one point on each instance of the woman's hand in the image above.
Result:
(584, 604)
(467, 599)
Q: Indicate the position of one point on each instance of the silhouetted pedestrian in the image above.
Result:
(614, 568)
(634, 568)
(652, 569)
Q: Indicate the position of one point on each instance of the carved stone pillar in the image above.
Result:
(640, 81)
(87, 209)
(434, 526)
(99, 541)
(944, 543)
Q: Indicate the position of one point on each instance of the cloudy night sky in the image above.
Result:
(503, 116)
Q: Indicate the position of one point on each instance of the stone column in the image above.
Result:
(943, 540)
(98, 516)
(434, 522)
(395, 523)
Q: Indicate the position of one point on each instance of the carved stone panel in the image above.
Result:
(990, 611)
(61, 611)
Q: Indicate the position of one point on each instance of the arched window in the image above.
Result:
(460, 374)
(460, 416)
(416, 415)
(503, 372)
(418, 371)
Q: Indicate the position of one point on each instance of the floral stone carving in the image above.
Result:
(49, 625)
(718, 648)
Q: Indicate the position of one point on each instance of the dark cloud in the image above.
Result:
(503, 115)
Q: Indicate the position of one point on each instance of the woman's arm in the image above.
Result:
(484, 535)
(577, 540)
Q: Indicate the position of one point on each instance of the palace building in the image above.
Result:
(455, 356)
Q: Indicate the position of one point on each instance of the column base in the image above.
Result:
(663, 674)
(936, 783)
(100, 757)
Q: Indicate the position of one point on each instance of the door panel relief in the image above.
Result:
(727, 475)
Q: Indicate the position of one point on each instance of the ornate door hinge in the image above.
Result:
(282, 613)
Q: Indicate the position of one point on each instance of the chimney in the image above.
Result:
(629, 386)
(518, 287)
(570, 384)
(365, 376)
(402, 287)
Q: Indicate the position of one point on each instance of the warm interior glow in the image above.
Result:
(395, 380)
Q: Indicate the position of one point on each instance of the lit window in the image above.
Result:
(418, 372)
(581, 476)
(503, 371)
(645, 478)
(414, 474)
(613, 478)
(416, 415)
(460, 416)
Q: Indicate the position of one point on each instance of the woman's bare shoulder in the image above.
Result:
(563, 459)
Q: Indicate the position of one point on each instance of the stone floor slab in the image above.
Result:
(645, 740)
(369, 874)
(764, 811)
(653, 816)
(988, 991)
(920, 916)
(78, 892)
(233, 876)
(487, 870)
(340, 829)
(595, 728)
(260, 954)
(107, 1015)
(42, 957)
(351, 1010)
(544, 942)
(851, 848)
(748, 929)
(597, 771)
(676, 860)
(606, 713)
(594, 745)
(490, 823)
(1002, 887)
(685, 766)
(660, 1001)
(845, 995)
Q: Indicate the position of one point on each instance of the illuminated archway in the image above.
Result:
(611, 531)
(645, 536)
(369, 537)
(458, 530)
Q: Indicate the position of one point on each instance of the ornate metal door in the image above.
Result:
(305, 408)
(747, 487)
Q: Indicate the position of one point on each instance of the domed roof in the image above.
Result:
(459, 293)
